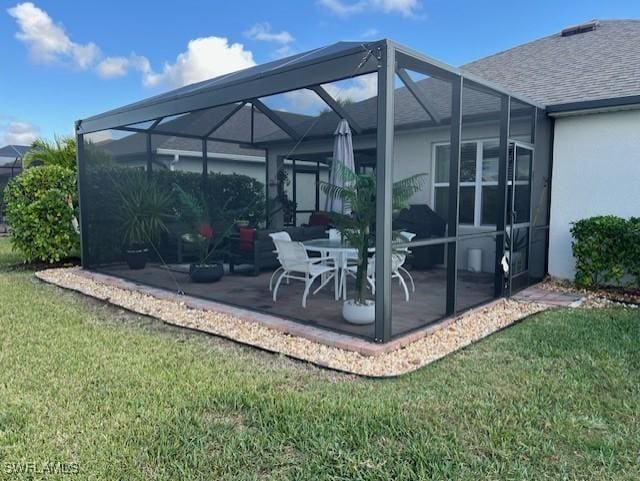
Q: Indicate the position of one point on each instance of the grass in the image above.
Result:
(555, 397)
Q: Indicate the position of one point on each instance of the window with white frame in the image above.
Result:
(478, 181)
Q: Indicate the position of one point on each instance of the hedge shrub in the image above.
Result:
(229, 197)
(607, 251)
(38, 212)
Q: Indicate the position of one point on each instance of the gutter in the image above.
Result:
(585, 107)
(214, 155)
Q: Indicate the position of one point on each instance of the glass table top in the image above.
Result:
(328, 244)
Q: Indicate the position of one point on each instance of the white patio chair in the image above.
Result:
(283, 235)
(398, 258)
(408, 236)
(296, 265)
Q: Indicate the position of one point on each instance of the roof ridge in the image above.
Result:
(13, 146)
(598, 64)
(555, 34)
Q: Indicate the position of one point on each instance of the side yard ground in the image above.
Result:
(554, 397)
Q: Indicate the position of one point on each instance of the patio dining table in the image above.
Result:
(340, 250)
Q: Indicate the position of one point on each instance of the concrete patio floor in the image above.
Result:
(426, 305)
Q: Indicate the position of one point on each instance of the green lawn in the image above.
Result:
(555, 397)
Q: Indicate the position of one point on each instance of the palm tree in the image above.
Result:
(61, 151)
(359, 194)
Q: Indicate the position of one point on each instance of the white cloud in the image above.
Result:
(119, 66)
(343, 9)
(205, 58)
(359, 88)
(284, 51)
(262, 32)
(18, 133)
(407, 8)
(352, 90)
(113, 67)
(47, 42)
(370, 32)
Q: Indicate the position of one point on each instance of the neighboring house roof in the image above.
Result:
(599, 64)
(13, 150)
(11, 155)
(599, 61)
(136, 144)
(236, 128)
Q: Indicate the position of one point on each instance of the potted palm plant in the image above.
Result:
(358, 194)
(194, 213)
(143, 211)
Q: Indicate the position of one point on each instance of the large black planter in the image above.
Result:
(206, 272)
(136, 257)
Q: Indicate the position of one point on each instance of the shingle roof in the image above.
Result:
(600, 64)
(13, 150)
(136, 144)
(236, 128)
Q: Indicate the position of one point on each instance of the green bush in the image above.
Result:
(607, 251)
(228, 197)
(633, 249)
(39, 214)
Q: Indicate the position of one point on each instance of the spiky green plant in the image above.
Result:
(194, 214)
(59, 151)
(142, 209)
(359, 194)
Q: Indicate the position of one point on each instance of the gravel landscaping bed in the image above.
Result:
(595, 298)
(464, 330)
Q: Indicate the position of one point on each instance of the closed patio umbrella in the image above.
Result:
(342, 154)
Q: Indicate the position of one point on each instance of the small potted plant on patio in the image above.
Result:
(194, 213)
(358, 194)
(143, 211)
(520, 239)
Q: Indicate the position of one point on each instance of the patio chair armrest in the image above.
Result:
(315, 260)
(308, 262)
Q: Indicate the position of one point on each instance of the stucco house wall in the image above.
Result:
(596, 171)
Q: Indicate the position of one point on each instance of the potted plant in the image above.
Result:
(142, 214)
(358, 194)
(520, 240)
(194, 213)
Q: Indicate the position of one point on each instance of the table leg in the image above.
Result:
(323, 277)
(343, 275)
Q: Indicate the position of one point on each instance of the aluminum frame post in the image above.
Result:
(82, 173)
(205, 160)
(501, 207)
(149, 156)
(454, 188)
(384, 186)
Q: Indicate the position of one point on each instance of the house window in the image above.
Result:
(478, 182)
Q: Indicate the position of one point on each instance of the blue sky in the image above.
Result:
(63, 60)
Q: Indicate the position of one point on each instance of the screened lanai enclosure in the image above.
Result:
(208, 171)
